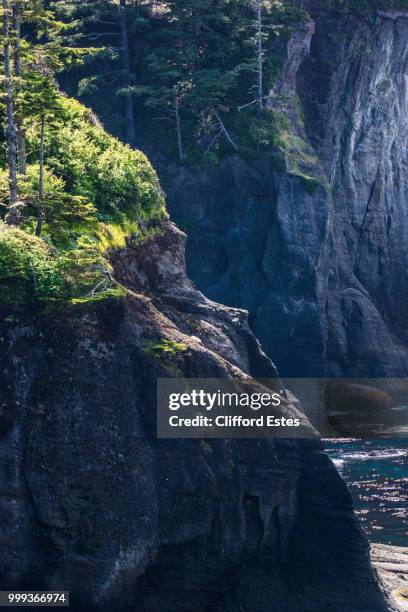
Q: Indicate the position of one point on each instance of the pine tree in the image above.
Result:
(259, 55)
(21, 144)
(189, 70)
(11, 151)
(106, 25)
(42, 106)
(31, 92)
(127, 77)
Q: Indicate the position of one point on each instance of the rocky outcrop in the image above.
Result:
(316, 248)
(391, 563)
(297, 50)
(92, 502)
(357, 123)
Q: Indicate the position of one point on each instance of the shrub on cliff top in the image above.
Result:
(28, 268)
(32, 270)
(95, 189)
(117, 180)
(65, 215)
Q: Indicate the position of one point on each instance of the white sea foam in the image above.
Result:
(339, 463)
(376, 454)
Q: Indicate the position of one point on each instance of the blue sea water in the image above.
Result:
(377, 474)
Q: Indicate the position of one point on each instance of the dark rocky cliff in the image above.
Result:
(92, 502)
(322, 269)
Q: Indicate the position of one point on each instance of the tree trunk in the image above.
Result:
(224, 129)
(40, 216)
(12, 216)
(129, 110)
(21, 145)
(178, 128)
(259, 58)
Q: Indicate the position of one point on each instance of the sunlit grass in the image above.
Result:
(114, 235)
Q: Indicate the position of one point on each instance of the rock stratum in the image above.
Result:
(92, 502)
(315, 246)
(391, 563)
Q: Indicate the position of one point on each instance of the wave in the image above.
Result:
(375, 454)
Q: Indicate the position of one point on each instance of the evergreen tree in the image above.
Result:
(21, 145)
(31, 93)
(190, 69)
(110, 27)
(41, 105)
(127, 76)
(11, 150)
(259, 54)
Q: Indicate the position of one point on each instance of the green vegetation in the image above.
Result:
(165, 347)
(119, 183)
(28, 268)
(310, 183)
(275, 129)
(165, 353)
(68, 190)
(31, 270)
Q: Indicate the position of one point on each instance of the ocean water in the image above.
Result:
(377, 474)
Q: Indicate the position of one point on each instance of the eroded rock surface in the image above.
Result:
(358, 125)
(391, 562)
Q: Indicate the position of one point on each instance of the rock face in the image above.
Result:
(255, 238)
(92, 502)
(359, 128)
(322, 270)
(391, 563)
